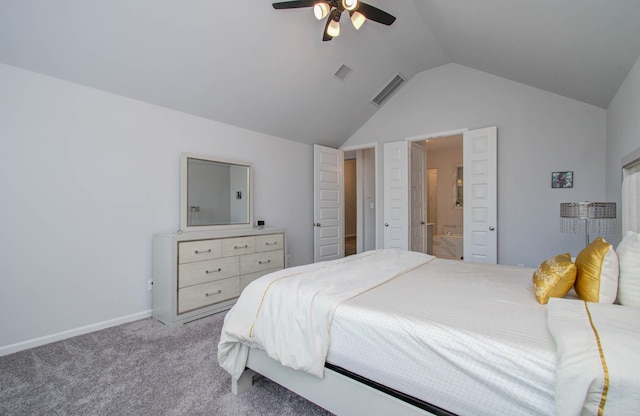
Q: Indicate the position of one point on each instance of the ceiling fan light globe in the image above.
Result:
(321, 10)
(358, 20)
(333, 29)
(349, 4)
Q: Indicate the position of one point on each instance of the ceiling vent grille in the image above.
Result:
(388, 90)
(343, 72)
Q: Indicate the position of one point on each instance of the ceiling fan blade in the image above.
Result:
(296, 4)
(325, 35)
(375, 14)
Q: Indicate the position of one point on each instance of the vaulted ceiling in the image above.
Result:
(245, 64)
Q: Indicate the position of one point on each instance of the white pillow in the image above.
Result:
(629, 259)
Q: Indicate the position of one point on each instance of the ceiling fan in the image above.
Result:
(358, 11)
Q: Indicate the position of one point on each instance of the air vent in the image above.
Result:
(343, 72)
(388, 90)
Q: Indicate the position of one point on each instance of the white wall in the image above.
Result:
(623, 134)
(86, 178)
(538, 133)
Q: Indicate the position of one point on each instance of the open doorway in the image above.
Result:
(359, 200)
(437, 197)
(329, 200)
(445, 196)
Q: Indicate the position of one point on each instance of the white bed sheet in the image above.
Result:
(598, 357)
(469, 338)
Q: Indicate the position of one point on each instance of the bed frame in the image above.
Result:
(338, 392)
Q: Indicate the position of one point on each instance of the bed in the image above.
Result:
(464, 339)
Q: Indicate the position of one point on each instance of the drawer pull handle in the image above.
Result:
(202, 251)
(264, 261)
(275, 243)
(217, 292)
(244, 246)
(213, 271)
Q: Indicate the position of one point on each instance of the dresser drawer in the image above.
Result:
(251, 263)
(245, 279)
(198, 296)
(237, 246)
(207, 271)
(269, 242)
(190, 251)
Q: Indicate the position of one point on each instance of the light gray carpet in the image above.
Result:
(140, 368)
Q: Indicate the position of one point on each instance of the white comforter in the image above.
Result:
(598, 367)
(288, 313)
(467, 337)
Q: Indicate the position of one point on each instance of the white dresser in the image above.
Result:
(200, 273)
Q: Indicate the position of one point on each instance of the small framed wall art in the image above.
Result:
(562, 179)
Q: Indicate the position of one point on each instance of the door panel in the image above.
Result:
(396, 195)
(417, 197)
(480, 195)
(328, 203)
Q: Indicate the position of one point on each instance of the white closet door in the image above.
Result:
(417, 197)
(396, 195)
(480, 195)
(328, 202)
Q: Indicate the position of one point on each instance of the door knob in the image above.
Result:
(317, 224)
(491, 228)
(386, 224)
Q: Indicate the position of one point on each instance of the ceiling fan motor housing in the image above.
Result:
(358, 10)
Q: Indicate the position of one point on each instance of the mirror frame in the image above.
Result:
(184, 211)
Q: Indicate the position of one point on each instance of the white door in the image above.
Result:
(417, 209)
(396, 195)
(480, 195)
(328, 202)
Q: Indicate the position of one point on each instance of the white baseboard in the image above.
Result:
(36, 342)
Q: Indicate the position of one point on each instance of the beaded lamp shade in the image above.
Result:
(588, 218)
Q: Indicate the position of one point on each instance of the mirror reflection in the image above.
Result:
(459, 187)
(218, 193)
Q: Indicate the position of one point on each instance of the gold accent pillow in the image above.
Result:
(597, 279)
(554, 278)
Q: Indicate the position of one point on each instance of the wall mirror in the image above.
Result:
(458, 187)
(214, 193)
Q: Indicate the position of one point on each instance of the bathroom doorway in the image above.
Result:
(445, 202)
(471, 193)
